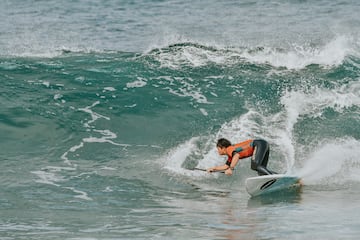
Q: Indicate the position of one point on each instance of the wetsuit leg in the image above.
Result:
(260, 160)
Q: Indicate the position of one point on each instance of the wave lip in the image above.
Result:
(295, 57)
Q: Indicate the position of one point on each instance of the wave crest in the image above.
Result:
(295, 57)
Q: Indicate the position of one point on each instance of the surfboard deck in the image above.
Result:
(260, 185)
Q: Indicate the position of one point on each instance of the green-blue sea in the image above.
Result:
(106, 106)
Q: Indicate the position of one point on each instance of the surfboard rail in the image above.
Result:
(260, 185)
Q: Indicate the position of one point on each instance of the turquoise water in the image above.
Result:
(106, 105)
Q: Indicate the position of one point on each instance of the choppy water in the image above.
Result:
(105, 105)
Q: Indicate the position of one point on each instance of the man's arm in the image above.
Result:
(218, 168)
(233, 163)
(228, 169)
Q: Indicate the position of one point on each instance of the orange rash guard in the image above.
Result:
(244, 149)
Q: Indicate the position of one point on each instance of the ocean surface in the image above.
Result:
(106, 106)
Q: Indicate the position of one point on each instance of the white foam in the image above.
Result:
(241, 128)
(334, 162)
(332, 54)
(107, 135)
(81, 194)
(108, 168)
(94, 116)
(108, 189)
(51, 175)
(174, 160)
(314, 102)
(190, 55)
(110, 89)
(58, 96)
(189, 88)
(131, 106)
(295, 57)
(46, 83)
(140, 82)
(203, 111)
(72, 149)
(48, 177)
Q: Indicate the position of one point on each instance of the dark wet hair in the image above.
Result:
(222, 142)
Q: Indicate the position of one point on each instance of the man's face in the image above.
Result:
(221, 150)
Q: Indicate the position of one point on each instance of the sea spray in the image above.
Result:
(332, 163)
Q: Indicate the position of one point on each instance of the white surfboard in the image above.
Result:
(256, 186)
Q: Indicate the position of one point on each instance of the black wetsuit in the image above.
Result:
(260, 159)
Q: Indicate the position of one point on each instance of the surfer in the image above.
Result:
(257, 149)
